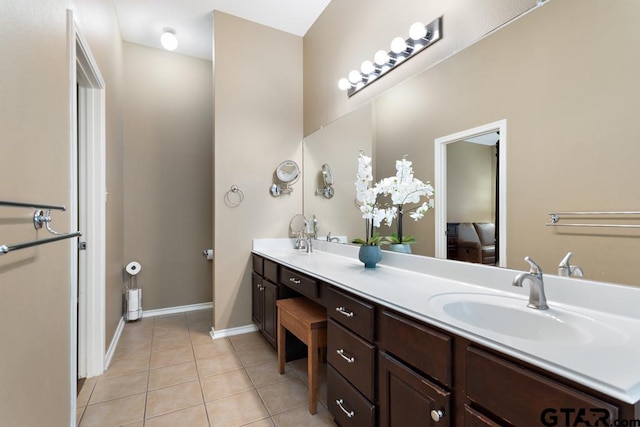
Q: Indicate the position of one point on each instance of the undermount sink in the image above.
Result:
(510, 316)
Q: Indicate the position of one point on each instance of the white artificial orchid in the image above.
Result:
(404, 189)
(367, 199)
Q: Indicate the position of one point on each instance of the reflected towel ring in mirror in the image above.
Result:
(327, 178)
(286, 173)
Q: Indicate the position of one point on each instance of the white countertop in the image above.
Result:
(408, 284)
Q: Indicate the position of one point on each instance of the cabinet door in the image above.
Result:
(270, 318)
(408, 399)
(256, 300)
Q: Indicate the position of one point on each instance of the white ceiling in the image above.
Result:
(142, 21)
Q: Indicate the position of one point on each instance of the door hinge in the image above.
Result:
(82, 246)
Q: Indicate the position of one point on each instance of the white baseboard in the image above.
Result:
(177, 309)
(114, 344)
(232, 331)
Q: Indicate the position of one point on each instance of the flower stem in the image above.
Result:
(400, 213)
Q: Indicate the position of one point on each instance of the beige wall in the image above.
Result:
(470, 182)
(34, 117)
(258, 124)
(350, 31)
(338, 146)
(167, 170)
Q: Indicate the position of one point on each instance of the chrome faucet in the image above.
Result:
(567, 270)
(305, 242)
(537, 299)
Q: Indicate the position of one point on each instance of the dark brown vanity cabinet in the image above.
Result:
(414, 373)
(351, 358)
(387, 368)
(264, 293)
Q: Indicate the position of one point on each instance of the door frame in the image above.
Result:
(440, 160)
(88, 288)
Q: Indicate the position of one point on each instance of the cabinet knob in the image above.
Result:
(437, 414)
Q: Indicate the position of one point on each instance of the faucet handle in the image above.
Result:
(534, 267)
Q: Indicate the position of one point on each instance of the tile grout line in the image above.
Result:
(204, 400)
(146, 392)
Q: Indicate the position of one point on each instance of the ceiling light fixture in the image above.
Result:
(168, 39)
(420, 37)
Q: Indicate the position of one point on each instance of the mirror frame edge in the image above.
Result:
(440, 176)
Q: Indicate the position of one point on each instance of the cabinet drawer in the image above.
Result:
(346, 404)
(351, 312)
(353, 357)
(523, 397)
(423, 348)
(257, 264)
(303, 284)
(270, 271)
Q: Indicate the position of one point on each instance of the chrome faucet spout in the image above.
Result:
(537, 298)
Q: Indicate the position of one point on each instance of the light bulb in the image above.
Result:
(417, 31)
(381, 57)
(398, 45)
(355, 76)
(344, 84)
(367, 67)
(168, 39)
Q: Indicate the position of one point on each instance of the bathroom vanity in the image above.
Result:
(404, 348)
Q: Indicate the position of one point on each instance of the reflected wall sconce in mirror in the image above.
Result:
(286, 173)
(327, 178)
(420, 37)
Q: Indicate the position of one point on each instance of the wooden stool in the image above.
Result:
(308, 321)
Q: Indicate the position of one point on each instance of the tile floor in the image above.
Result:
(167, 371)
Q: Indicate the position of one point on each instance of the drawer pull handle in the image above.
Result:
(294, 280)
(436, 415)
(348, 359)
(344, 311)
(349, 414)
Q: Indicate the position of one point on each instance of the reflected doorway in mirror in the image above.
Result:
(496, 132)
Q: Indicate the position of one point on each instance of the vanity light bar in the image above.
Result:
(420, 37)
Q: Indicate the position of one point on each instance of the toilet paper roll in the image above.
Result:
(133, 268)
(133, 297)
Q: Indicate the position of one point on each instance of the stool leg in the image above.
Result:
(312, 370)
(281, 344)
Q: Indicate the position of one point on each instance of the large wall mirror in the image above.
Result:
(571, 103)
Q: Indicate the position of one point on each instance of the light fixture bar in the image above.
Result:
(401, 50)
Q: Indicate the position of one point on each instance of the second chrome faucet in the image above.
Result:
(537, 298)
